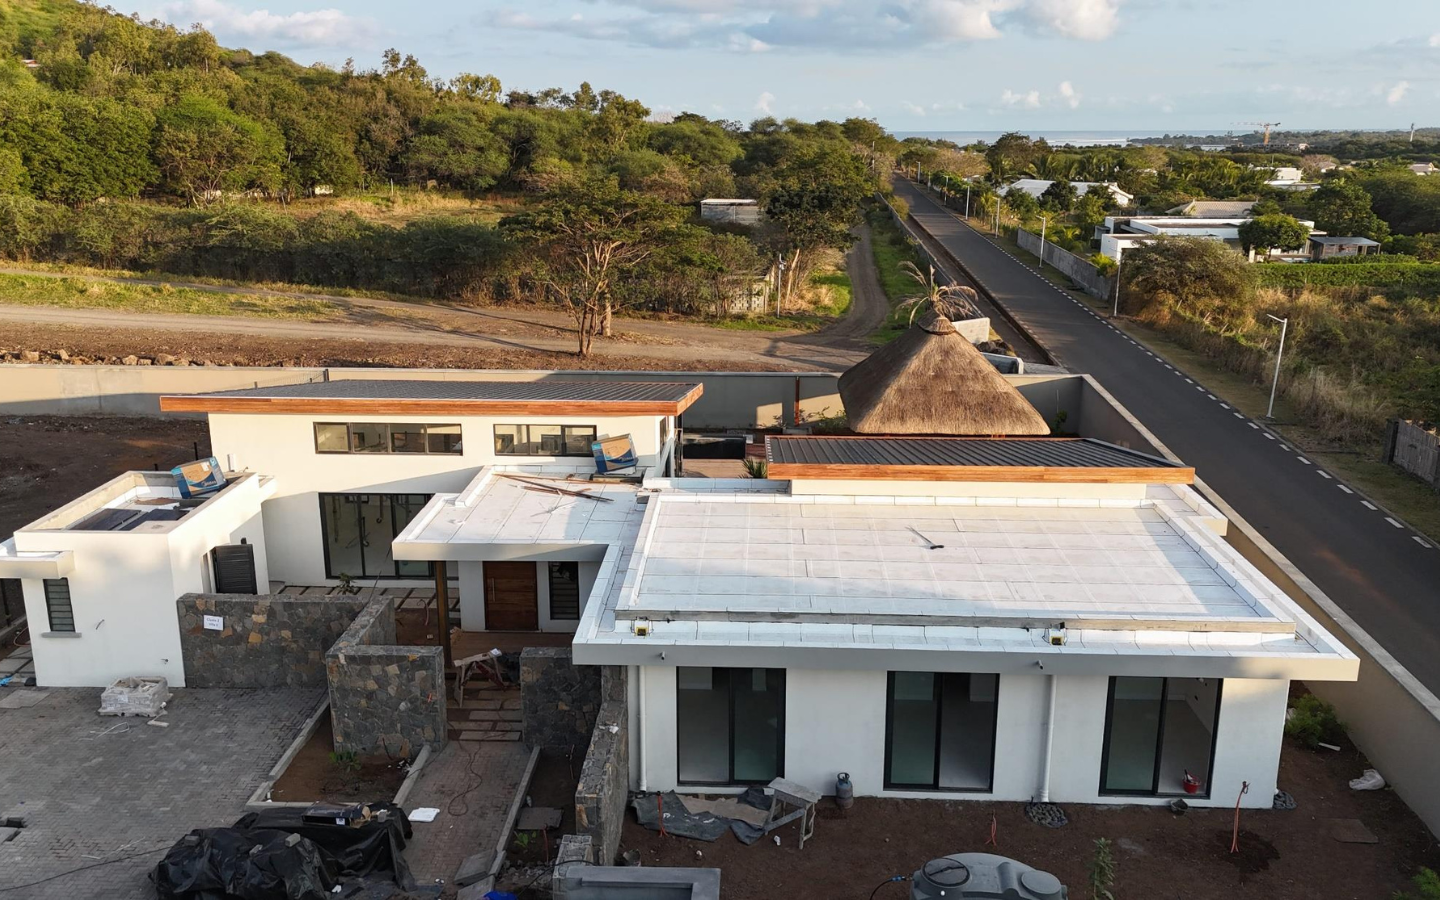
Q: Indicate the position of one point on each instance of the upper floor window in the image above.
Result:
(381, 437)
(544, 440)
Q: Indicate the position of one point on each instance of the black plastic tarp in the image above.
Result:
(280, 854)
(650, 809)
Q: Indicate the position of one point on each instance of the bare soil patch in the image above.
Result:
(1284, 855)
(314, 776)
(254, 350)
(45, 461)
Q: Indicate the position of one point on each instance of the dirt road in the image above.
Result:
(510, 330)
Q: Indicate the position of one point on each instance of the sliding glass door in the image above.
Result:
(940, 731)
(1158, 731)
(730, 725)
(359, 529)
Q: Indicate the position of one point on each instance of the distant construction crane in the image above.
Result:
(1265, 125)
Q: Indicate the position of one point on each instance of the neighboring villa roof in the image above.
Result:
(1036, 186)
(1016, 460)
(1214, 209)
(930, 380)
(1333, 241)
(386, 397)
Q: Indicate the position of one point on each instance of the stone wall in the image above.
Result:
(384, 698)
(1078, 270)
(559, 699)
(265, 641)
(604, 787)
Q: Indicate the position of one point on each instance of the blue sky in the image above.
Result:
(914, 65)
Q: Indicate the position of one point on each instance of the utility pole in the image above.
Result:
(967, 201)
(1284, 325)
(1118, 260)
(1044, 223)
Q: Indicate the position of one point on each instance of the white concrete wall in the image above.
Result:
(472, 595)
(835, 722)
(283, 446)
(123, 591)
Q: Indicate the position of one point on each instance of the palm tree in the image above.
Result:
(952, 301)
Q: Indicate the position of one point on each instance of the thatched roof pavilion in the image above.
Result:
(930, 380)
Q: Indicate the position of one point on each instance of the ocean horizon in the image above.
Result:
(1087, 138)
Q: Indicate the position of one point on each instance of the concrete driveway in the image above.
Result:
(104, 798)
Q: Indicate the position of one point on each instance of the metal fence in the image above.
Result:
(1412, 448)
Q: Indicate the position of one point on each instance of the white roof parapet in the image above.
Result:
(34, 563)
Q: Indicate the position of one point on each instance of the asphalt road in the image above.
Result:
(1382, 573)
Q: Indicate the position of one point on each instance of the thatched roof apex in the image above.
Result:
(930, 380)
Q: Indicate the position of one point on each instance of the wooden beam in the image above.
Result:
(1010, 474)
(372, 406)
(442, 606)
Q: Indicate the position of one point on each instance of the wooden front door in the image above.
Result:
(511, 602)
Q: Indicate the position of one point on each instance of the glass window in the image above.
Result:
(443, 438)
(57, 604)
(941, 730)
(544, 440)
(332, 437)
(407, 438)
(369, 437)
(510, 440)
(730, 725)
(578, 439)
(1158, 731)
(359, 529)
(565, 590)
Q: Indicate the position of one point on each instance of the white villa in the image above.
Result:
(935, 613)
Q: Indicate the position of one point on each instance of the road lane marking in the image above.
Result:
(1252, 424)
(1424, 543)
(1224, 406)
(1303, 460)
(1393, 522)
(1344, 488)
(1368, 505)
(1269, 436)
(1323, 473)
(1237, 415)
(1188, 381)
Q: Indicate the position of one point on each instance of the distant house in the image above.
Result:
(1327, 247)
(30, 63)
(1213, 209)
(1423, 168)
(1285, 176)
(1117, 233)
(734, 212)
(1036, 186)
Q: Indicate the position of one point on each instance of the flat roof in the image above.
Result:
(1041, 459)
(895, 564)
(398, 397)
(1343, 241)
(135, 502)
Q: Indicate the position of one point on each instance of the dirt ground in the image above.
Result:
(313, 775)
(1285, 855)
(46, 461)
(552, 785)
(257, 350)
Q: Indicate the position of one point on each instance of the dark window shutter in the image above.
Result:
(57, 604)
(235, 569)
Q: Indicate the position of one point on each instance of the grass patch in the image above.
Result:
(832, 295)
(891, 247)
(80, 293)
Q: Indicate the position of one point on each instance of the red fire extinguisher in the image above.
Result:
(1191, 783)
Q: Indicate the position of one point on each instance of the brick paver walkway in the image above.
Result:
(469, 821)
(89, 797)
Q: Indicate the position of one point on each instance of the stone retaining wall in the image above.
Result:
(384, 697)
(604, 787)
(265, 641)
(559, 699)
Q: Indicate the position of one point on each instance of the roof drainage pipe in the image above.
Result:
(1044, 796)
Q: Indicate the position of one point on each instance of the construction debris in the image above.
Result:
(143, 696)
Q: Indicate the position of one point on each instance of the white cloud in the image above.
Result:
(1397, 92)
(315, 28)
(1027, 100)
(765, 103)
(1083, 20)
(913, 109)
(1069, 94)
(1435, 39)
(751, 26)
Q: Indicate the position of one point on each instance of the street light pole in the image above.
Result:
(1044, 223)
(1284, 326)
(1116, 311)
(967, 201)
